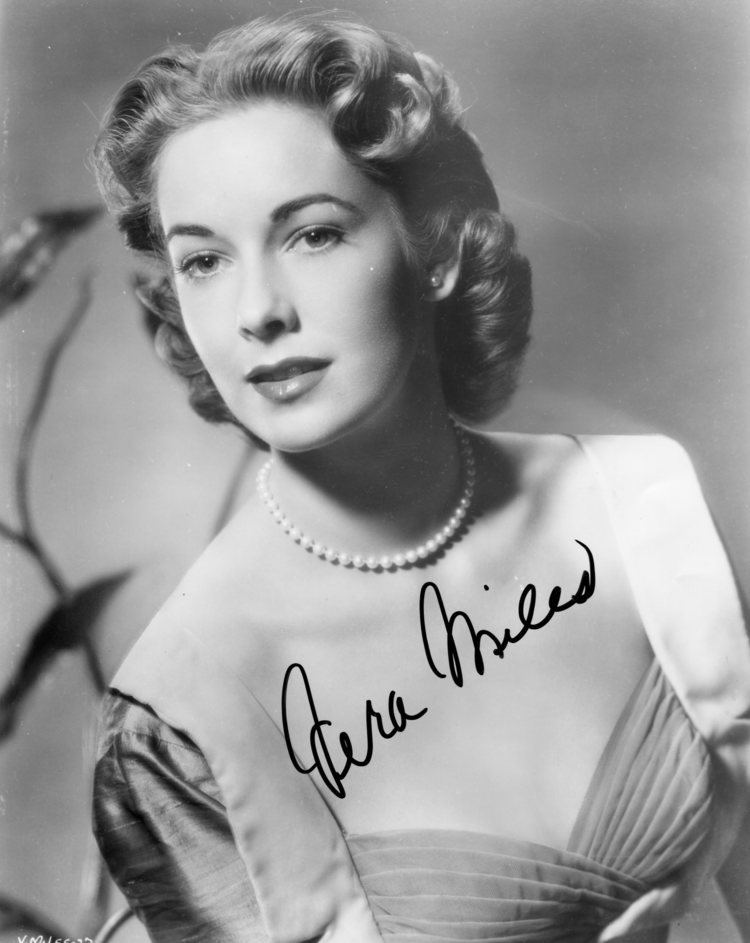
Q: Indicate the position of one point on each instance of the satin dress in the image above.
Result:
(212, 835)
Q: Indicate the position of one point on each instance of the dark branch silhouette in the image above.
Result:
(29, 538)
(29, 251)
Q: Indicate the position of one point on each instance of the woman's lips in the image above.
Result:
(288, 379)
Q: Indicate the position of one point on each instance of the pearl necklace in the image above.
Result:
(394, 561)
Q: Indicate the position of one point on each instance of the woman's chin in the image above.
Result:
(299, 437)
(302, 425)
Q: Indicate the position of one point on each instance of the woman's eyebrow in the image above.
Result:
(190, 230)
(285, 210)
(278, 215)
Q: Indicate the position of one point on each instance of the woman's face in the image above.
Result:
(290, 270)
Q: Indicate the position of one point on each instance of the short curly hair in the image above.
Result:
(395, 114)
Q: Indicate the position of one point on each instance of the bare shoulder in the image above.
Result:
(542, 463)
(528, 451)
(529, 467)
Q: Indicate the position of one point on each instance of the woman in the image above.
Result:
(427, 684)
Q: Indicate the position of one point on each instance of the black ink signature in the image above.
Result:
(526, 612)
(332, 776)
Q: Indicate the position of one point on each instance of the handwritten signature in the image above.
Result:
(332, 775)
(526, 613)
(297, 684)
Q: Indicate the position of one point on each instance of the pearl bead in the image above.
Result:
(386, 562)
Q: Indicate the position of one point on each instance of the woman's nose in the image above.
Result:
(264, 309)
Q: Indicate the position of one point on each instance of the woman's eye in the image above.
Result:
(316, 238)
(202, 265)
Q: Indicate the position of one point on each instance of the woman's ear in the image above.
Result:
(441, 279)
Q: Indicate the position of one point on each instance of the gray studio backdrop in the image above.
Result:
(617, 135)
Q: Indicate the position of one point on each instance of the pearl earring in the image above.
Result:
(435, 280)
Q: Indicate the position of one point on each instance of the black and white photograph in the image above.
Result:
(374, 455)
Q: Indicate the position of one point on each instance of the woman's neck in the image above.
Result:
(374, 493)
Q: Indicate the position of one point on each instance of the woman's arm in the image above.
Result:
(161, 826)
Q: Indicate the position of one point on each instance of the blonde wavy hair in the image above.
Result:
(396, 115)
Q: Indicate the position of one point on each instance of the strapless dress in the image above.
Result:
(212, 835)
(645, 814)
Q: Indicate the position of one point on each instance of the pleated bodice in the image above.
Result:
(645, 813)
